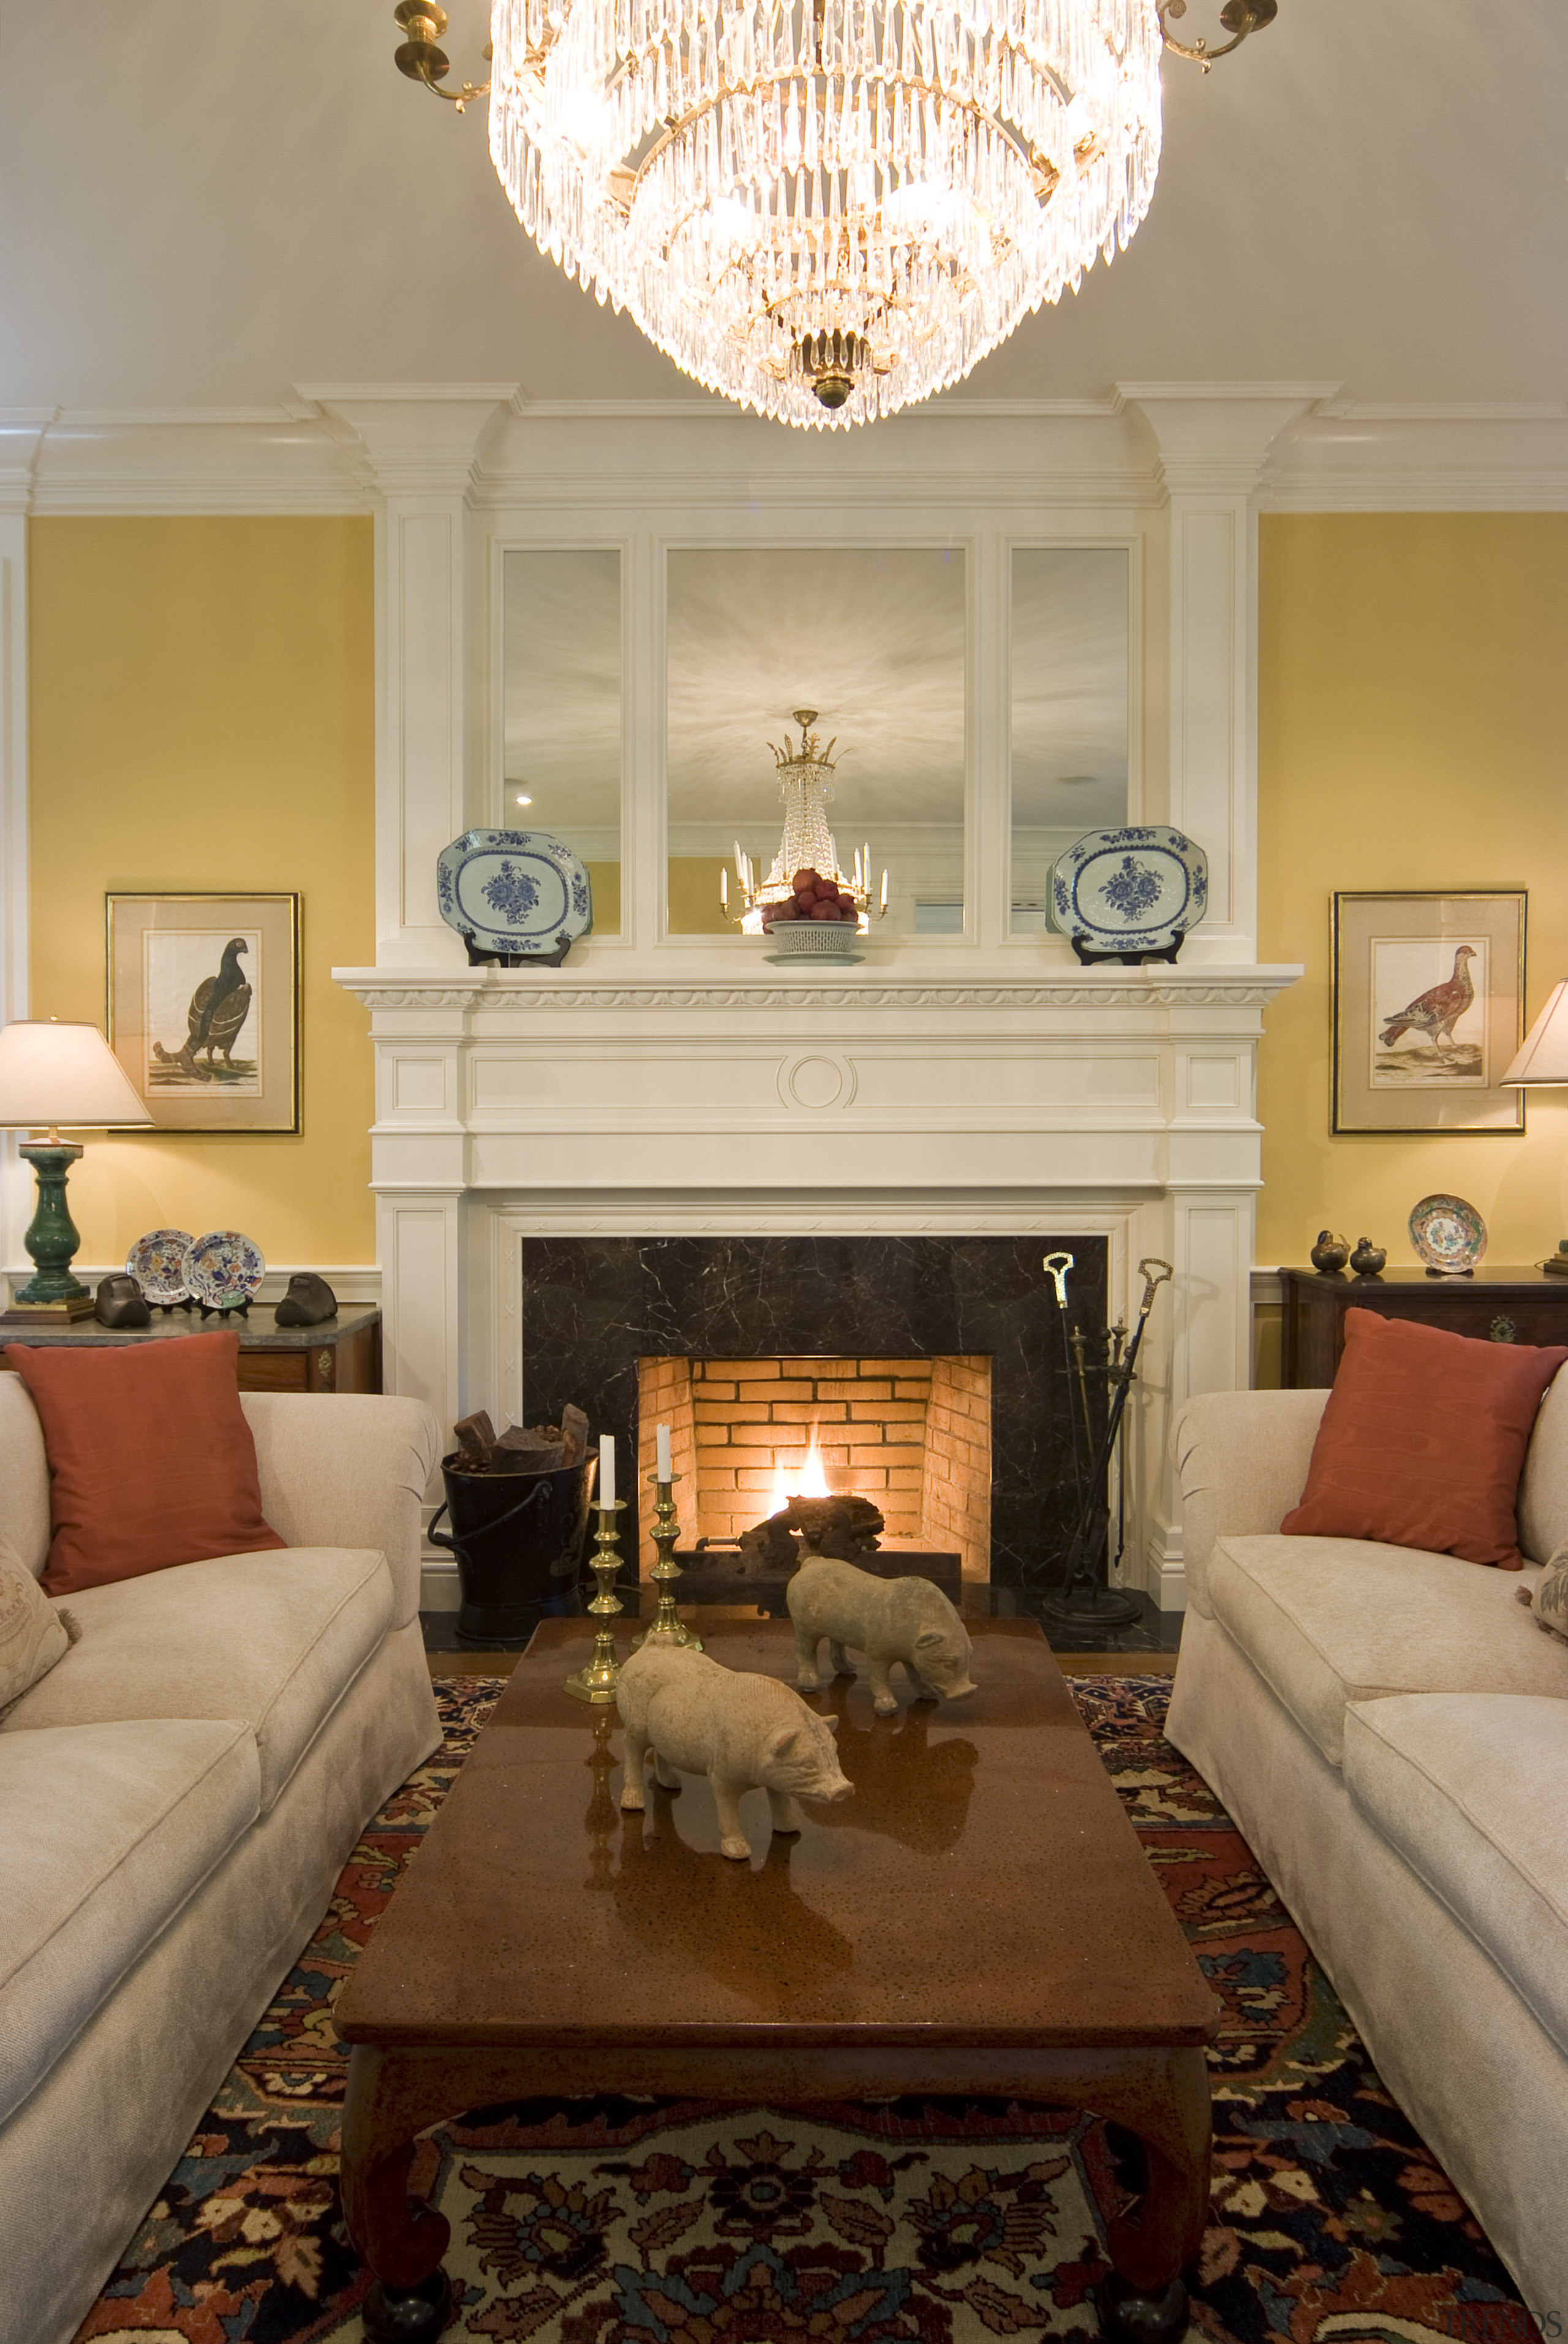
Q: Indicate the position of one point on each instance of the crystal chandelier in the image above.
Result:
(805, 785)
(825, 209)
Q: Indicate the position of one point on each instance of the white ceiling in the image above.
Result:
(206, 205)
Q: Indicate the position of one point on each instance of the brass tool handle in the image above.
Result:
(1057, 1266)
(1147, 1268)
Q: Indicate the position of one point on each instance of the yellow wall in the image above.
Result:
(695, 909)
(203, 717)
(1414, 733)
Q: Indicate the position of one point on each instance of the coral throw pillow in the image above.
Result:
(151, 1461)
(1423, 1440)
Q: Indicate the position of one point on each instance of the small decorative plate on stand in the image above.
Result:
(514, 896)
(1449, 1235)
(157, 1263)
(222, 1270)
(1130, 894)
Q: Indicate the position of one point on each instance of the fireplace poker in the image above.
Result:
(1056, 1266)
(1084, 1600)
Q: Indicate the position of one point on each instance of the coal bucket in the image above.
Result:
(519, 1541)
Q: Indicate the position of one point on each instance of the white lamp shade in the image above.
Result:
(1543, 1056)
(51, 1072)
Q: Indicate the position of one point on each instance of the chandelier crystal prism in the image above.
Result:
(825, 209)
(828, 210)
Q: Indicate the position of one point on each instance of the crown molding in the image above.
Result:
(1216, 439)
(338, 448)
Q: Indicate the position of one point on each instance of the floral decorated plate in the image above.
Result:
(223, 1269)
(514, 890)
(1138, 889)
(157, 1263)
(1447, 1233)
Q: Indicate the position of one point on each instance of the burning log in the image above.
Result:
(844, 1529)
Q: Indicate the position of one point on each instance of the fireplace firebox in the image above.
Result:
(875, 1341)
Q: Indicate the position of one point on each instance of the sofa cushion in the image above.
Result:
(1330, 1620)
(1544, 1484)
(274, 1638)
(108, 1830)
(151, 1461)
(24, 1476)
(34, 1635)
(1422, 1441)
(1470, 1789)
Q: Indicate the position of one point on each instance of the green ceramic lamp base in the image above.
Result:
(51, 1239)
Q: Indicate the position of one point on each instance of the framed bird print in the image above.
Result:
(1428, 1010)
(204, 1008)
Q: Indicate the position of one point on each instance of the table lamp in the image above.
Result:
(1542, 1057)
(53, 1072)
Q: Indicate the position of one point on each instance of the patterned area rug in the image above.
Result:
(921, 2222)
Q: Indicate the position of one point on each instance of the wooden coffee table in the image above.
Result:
(979, 1918)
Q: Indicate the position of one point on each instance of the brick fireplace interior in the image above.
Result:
(911, 1435)
(925, 1311)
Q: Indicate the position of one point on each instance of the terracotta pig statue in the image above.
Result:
(889, 1620)
(737, 1728)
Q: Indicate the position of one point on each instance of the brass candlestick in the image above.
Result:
(667, 1627)
(597, 1683)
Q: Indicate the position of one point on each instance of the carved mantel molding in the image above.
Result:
(542, 992)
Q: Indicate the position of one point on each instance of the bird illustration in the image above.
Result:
(1436, 1012)
(218, 1008)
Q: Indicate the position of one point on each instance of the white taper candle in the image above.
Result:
(661, 1443)
(607, 1469)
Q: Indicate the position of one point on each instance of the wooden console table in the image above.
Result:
(343, 1354)
(1502, 1305)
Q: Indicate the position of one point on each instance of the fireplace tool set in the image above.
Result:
(1084, 1599)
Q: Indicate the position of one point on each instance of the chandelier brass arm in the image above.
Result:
(1239, 18)
(419, 57)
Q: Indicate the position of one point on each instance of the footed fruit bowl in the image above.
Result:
(813, 940)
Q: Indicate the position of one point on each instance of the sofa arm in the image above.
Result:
(1243, 1458)
(347, 1469)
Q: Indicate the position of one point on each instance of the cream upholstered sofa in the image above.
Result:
(178, 1797)
(1389, 1729)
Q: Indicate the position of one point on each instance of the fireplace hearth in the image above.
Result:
(937, 1315)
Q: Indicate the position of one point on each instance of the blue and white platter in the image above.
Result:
(1136, 890)
(514, 890)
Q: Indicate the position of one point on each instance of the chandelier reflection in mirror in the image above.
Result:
(825, 209)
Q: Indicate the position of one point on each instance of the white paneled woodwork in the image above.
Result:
(1106, 1100)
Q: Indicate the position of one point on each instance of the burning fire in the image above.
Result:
(810, 1482)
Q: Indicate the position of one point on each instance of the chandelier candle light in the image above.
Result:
(825, 209)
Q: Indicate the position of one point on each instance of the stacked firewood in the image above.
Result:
(521, 1448)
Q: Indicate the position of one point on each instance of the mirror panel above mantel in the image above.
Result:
(874, 642)
(562, 704)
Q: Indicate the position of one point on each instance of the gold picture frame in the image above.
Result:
(1428, 1009)
(202, 1007)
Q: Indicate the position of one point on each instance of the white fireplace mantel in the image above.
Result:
(1115, 1102)
(657, 1085)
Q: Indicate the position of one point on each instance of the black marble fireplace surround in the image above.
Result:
(593, 1305)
